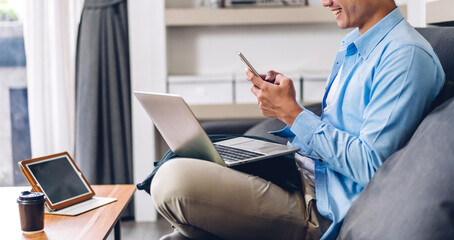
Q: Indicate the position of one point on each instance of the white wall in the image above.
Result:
(148, 66)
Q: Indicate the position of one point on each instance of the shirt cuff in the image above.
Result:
(305, 126)
(285, 133)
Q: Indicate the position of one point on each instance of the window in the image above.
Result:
(14, 123)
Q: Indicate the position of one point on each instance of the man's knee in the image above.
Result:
(178, 178)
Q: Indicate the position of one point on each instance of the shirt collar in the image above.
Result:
(371, 38)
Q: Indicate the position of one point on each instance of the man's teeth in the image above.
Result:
(337, 11)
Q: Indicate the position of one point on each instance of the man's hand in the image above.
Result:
(276, 96)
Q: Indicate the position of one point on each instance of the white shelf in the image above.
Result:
(440, 11)
(180, 17)
(185, 17)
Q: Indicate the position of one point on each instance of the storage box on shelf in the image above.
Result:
(243, 88)
(203, 89)
(235, 89)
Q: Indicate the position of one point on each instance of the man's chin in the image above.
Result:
(341, 25)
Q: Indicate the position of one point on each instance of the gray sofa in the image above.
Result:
(411, 195)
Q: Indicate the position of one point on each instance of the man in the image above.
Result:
(385, 77)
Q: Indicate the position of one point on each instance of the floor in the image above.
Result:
(131, 230)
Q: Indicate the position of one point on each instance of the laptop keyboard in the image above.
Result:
(235, 154)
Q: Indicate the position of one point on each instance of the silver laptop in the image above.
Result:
(182, 132)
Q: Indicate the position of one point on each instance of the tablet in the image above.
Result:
(58, 177)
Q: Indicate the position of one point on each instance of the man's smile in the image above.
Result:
(336, 12)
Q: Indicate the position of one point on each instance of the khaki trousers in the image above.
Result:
(204, 200)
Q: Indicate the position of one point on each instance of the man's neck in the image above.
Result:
(382, 11)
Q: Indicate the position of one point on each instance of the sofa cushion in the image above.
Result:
(228, 126)
(411, 195)
(441, 39)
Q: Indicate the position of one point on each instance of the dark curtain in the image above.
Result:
(103, 148)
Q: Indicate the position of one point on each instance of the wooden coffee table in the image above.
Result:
(95, 224)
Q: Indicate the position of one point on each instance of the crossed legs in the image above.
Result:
(206, 201)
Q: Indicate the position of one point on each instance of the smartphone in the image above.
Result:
(243, 58)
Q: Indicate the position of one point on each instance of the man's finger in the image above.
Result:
(255, 90)
(271, 76)
(280, 78)
(258, 82)
(253, 78)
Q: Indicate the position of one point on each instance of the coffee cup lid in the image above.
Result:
(31, 197)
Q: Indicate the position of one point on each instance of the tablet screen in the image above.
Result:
(59, 179)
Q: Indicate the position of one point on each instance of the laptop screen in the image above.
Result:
(59, 179)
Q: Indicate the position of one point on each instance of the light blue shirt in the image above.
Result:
(390, 77)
